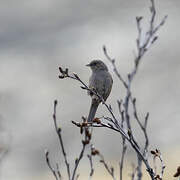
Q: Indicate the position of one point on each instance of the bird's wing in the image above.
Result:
(107, 85)
(102, 83)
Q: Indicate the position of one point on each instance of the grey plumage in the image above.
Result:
(101, 81)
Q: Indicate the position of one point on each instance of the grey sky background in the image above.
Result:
(36, 37)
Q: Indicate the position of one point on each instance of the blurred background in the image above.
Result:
(36, 37)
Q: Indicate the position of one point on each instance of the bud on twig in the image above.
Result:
(82, 87)
(156, 153)
(85, 142)
(81, 129)
(158, 177)
(76, 160)
(177, 174)
(59, 130)
(97, 120)
(154, 39)
(129, 133)
(139, 18)
(61, 77)
(66, 71)
(104, 49)
(76, 76)
(94, 152)
(60, 69)
(55, 102)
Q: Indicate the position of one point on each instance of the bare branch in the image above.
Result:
(124, 148)
(114, 66)
(177, 174)
(58, 171)
(58, 131)
(83, 128)
(121, 163)
(143, 44)
(85, 141)
(91, 165)
(110, 170)
(78, 160)
(133, 174)
(162, 165)
(49, 165)
(143, 127)
(77, 176)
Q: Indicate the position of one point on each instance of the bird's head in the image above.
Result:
(96, 65)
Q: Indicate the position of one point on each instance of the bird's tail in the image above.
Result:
(93, 109)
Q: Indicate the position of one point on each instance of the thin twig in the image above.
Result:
(133, 174)
(58, 171)
(162, 166)
(58, 131)
(124, 148)
(91, 165)
(114, 66)
(143, 128)
(77, 176)
(84, 128)
(77, 161)
(143, 44)
(49, 165)
(154, 164)
(110, 170)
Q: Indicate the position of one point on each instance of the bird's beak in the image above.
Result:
(88, 65)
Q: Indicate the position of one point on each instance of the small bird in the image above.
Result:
(101, 81)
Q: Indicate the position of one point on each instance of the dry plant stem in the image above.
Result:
(122, 158)
(58, 171)
(101, 125)
(154, 163)
(85, 142)
(162, 166)
(78, 161)
(50, 167)
(142, 47)
(110, 170)
(139, 168)
(127, 117)
(91, 165)
(133, 175)
(124, 148)
(77, 176)
(114, 67)
(58, 131)
(143, 128)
